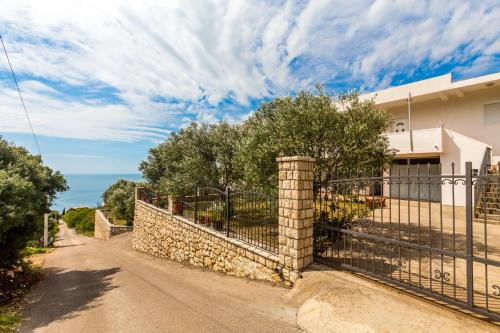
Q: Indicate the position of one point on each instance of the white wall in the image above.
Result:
(459, 149)
(464, 115)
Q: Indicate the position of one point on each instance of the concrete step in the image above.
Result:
(490, 194)
(491, 200)
(488, 210)
(488, 204)
(489, 217)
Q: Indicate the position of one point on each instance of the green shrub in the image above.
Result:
(27, 187)
(9, 319)
(37, 240)
(29, 251)
(119, 198)
(81, 219)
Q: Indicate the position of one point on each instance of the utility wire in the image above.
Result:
(21, 97)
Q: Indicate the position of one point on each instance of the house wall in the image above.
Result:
(458, 149)
(464, 115)
(466, 136)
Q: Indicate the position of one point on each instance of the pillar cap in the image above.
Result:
(295, 158)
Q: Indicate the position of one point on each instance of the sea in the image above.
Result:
(86, 189)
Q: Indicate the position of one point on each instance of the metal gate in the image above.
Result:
(448, 250)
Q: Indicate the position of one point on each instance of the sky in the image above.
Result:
(104, 81)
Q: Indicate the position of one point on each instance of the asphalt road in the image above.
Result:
(104, 286)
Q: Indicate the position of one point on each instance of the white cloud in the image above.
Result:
(197, 55)
(77, 156)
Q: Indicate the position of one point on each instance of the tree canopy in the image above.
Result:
(340, 133)
(120, 198)
(198, 155)
(345, 133)
(27, 189)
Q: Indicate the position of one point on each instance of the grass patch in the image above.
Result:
(341, 209)
(29, 251)
(120, 222)
(10, 319)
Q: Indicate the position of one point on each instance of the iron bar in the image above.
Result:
(468, 232)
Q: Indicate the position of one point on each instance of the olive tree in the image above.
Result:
(341, 133)
(345, 133)
(120, 198)
(198, 155)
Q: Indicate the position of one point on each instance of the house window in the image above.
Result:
(492, 114)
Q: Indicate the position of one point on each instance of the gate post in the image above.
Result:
(468, 234)
(172, 204)
(136, 192)
(295, 214)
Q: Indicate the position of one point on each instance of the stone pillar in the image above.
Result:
(295, 214)
(171, 204)
(137, 189)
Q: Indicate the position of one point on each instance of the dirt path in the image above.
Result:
(104, 286)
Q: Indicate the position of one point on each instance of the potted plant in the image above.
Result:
(178, 208)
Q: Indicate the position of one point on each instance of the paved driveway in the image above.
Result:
(104, 286)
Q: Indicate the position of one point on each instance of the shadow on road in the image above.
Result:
(71, 245)
(64, 293)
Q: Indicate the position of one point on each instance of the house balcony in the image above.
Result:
(424, 142)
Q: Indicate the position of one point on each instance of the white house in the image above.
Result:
(443, 121)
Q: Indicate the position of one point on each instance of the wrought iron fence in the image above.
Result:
(438, 244)
(249, 216)
(152, 198)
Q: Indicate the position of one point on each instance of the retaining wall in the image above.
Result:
(105, 230)
(159, 233)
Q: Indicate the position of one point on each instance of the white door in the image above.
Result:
(400, 125)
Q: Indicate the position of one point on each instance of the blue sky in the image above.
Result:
(105, 80)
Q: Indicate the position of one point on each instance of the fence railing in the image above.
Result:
(415, 228)
(152, 198)
(246, 215)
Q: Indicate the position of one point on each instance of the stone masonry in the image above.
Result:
(160, 233)
(295, 214)
(105, 230)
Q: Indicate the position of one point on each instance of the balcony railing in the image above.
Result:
(424, 141)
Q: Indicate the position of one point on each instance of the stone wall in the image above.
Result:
(105, 230)
(159, 233)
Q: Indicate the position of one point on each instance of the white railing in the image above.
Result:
(424, 141)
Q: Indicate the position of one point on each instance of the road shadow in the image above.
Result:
(63, 294)
(71, 245)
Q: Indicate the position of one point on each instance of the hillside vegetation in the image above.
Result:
(81, 219)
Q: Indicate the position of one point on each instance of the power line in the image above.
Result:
(21, 97)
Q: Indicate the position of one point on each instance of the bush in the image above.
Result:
(119, 198)
(81, 219)
(37, 240)
(27, 187)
